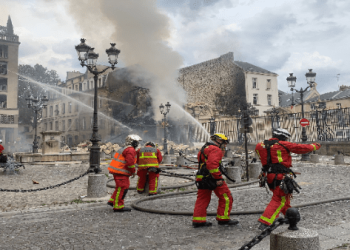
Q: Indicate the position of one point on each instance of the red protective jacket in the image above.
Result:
(280, 155)
(159, 155)
(214, 155)
(129, 153)
(1, 148)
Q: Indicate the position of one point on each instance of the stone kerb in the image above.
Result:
(235, 174)
(302, 239)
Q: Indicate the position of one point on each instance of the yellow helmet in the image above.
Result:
(219, 136)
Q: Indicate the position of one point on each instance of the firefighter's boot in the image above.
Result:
(202, 224)
(228, 222)
(124, 209)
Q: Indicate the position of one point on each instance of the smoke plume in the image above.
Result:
(141, 31)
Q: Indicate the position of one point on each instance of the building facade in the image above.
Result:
(9, 44)
(209, 82)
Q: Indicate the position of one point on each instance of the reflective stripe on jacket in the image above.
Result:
(119, 166)
(147, 157)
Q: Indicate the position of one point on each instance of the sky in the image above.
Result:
(281, 36)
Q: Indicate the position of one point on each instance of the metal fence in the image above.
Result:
(325, 125)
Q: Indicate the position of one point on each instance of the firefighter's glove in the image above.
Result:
(318, 145)
(133, 175)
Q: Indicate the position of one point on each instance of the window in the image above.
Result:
(69, 124)
(63, 125)
(56, 126)
(91, 84)
(269, 98)
(3, 51)
(76, 107)
(50, 126)
(3, 84)
(99, 83)
(100, 103)
(76, 124)
(92, 102)
(69, 107)
(85, 86)
(268, 84)
(63, 108)
(91, 122)
(3, 68)
(339, 105)
(3, 101)
(255, 83)
(45, 126)
(26, 128)
(51, 111)
(102, 123)
(76, 87)
(56, 109)
(255, 99)
(312, 106)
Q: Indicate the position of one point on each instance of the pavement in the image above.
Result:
(73, 225)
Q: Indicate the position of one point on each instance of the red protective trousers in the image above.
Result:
(152, 181)
(203, 200)
(280, 202)
(122, 184)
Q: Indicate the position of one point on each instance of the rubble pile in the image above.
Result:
(108, 148)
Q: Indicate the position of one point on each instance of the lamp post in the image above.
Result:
(37, 105)
(88, 58)
(246, 122)
(165, 112)
(212, 125)
(310, 78)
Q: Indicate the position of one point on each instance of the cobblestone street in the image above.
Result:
(28, 224)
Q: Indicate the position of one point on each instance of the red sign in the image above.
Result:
(304, 122)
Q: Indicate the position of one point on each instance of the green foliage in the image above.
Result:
(26, 87)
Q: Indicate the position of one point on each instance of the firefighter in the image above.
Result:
(122, 167)
(209, 158)
(277, 161)
(148, 159)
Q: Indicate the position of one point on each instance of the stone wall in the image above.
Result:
(203, 82)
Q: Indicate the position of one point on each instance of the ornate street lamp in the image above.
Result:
(165, 112)
(310, 78)
(37, 105)
(212, 125)
(246, 112)
(88, 58)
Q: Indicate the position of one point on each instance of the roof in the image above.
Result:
(334, 95)
(286, 99)
(252, 68)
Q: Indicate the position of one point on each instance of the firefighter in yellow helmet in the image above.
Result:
(208, 179)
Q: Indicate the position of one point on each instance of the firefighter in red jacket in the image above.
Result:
(148, 159)
(276, 161)
(122, 167)
(213, 153)
(1, 147)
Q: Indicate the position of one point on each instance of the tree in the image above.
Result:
(30, 82)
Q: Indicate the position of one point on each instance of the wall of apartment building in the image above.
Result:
(8, 108)
(263, 90)
(204, 81)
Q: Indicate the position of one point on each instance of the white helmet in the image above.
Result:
(132, 140)
(0, 141)
(281, 132)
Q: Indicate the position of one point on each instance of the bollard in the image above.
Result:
(234, 173)
(97, 186)
(339, 159)
(254, 170)
(166, 159)
(282, 239)
(180, 160)
(315, 158)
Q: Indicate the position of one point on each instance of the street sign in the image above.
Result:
(304, 122)
(247, 130)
